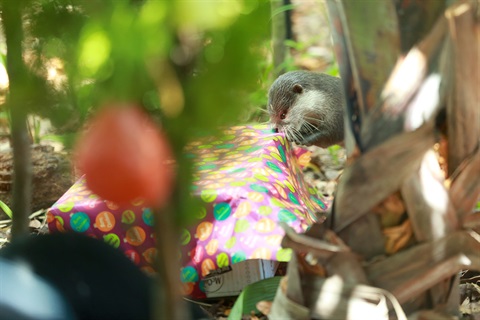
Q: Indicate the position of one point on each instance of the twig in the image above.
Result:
(37, 213)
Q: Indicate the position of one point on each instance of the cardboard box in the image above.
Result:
(232, 281)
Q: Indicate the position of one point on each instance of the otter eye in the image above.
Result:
(283, 116)
(297, 88)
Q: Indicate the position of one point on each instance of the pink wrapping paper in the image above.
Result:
(129, 228)
(249, 179)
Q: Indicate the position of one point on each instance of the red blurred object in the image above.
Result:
(125, 157)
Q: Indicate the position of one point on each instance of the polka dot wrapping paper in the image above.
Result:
(129, 228)
(248, 179)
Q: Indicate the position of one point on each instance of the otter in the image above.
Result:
(308, 107)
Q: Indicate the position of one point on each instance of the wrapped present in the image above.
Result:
(129, 228)
(249, 179)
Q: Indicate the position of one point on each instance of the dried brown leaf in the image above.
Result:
(264, 307)
(397, 237)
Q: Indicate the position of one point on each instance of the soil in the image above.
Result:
(52, 176)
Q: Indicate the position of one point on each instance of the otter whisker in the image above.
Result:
(312, 119)
(305, 128)
(315, 127)
(270, 109)
(297, 135)
(288, 135)
(263, 110)
(309, 127)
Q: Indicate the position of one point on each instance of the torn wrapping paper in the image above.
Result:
(249, 179)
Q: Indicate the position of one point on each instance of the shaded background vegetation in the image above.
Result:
(191, 65)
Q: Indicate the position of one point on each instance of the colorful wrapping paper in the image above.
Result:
(129, 228)
(249, 179)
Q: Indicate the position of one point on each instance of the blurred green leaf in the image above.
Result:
(67, 139)
(287, 7)
(263, 290)
(195, 66)
(6, 209)
(299, 46)
(94, 50)
(333, 151)
(207, 15)
(333, 70)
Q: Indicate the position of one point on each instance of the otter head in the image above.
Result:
(307, 107)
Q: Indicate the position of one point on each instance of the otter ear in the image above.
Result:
(297, 88)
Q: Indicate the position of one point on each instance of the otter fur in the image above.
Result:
(308, 107)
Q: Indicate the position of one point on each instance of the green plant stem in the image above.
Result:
(22, 185)
(168, 301)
